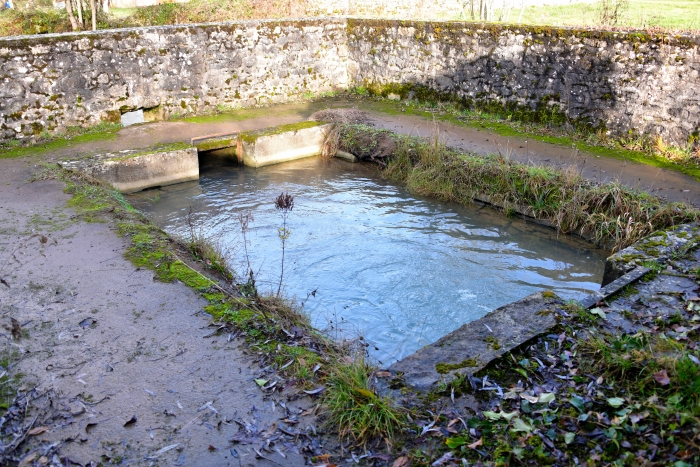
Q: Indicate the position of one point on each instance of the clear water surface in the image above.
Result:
(399, 269)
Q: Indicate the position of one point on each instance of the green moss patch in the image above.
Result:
(252, 136)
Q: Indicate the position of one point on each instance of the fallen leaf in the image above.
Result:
(598, 311)
(546, 398)
(365, 393)
(456, 442)
(261, 382)
(402, 461)
(529, 398)
(443, 460)
(662, 378)
(578, 403)
(383, 374)
(520, 425)
(569, 438)
(616, 401)
(316, 391)
(28, 460)
(476, 444)
(38, 430)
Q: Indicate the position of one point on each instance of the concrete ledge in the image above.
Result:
(474, 345)
(135, 170)
(214, 142)
(282, 143)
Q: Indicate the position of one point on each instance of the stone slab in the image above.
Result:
(215, 142)
(135, 170)
(657, 247)
(613, 287)
(474, 345)
(282, 143)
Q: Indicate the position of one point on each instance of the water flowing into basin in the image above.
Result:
(399, 269)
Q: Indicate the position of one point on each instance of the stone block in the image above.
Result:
(135, 170)
(282, 143)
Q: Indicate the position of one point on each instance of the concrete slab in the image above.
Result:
(135, 170)
(474, 345)
(282, 143)
(215, 142)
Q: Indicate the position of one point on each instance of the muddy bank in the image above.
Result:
(117, 367)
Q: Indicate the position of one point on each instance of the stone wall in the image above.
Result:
(53, 81)
(621, 81)
(624, 82)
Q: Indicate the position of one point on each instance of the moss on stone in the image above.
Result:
(252, 136)
(444, 368)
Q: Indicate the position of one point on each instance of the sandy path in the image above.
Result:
(104, 342)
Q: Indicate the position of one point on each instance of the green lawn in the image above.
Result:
(640, 14)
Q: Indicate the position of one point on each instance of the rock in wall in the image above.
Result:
(53, 81)
(638, 82)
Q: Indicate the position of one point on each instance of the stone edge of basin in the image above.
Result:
(133, 170)
(283, 143)
(658, 247)
(474, 345)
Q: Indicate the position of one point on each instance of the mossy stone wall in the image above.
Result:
(620, 82)
(610, 81)
(48, 82)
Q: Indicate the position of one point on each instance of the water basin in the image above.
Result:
(367, 257)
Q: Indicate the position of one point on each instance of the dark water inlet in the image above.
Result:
(399, 269)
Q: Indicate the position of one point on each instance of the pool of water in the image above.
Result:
(399, 269)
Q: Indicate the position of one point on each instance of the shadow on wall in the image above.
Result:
(596, 80)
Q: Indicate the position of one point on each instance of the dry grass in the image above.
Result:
(609, 214)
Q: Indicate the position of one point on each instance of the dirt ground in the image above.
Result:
(115, 367)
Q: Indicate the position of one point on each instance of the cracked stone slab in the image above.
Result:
(474, 345)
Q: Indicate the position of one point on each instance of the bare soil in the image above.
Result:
(114, 367)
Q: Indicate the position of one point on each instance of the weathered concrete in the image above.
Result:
(472, 346)
(130, 171)
(658, 247)
(283, 143)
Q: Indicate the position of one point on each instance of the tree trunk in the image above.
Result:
(93, 9)
(105, 6)
(522, 10)
(69, 10)
(81, 21)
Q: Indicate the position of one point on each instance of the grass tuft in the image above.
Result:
(355, 408)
